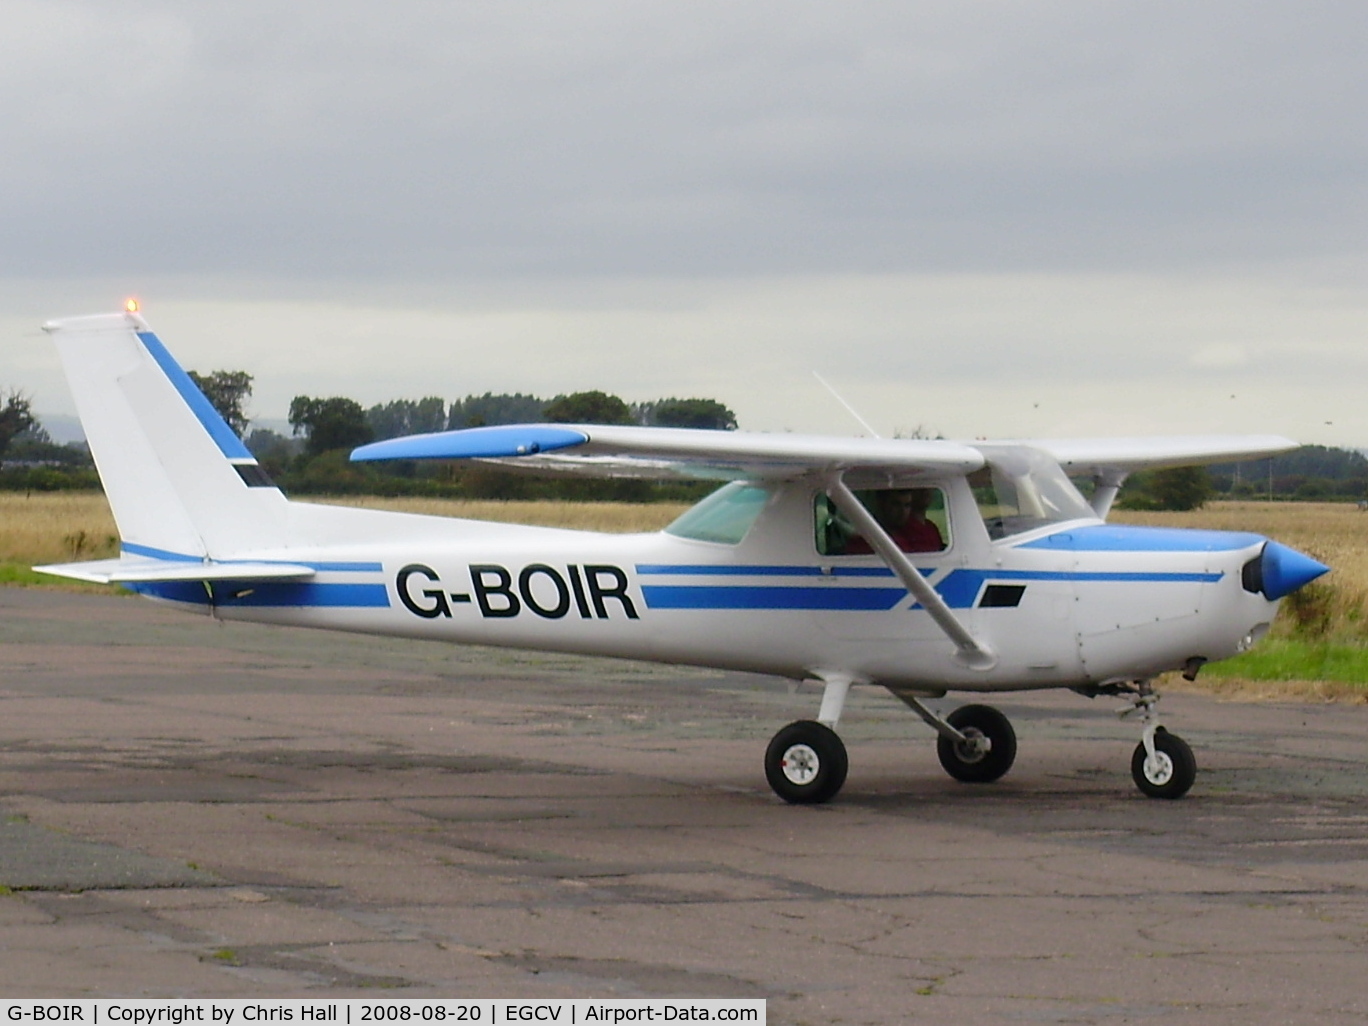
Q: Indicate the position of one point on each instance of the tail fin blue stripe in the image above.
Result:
(133, 549)
(224, 437)
(335, 566)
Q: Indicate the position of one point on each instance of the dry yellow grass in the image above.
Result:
(1334, 532)
(53, 527)
(47, 527)
(616, 517)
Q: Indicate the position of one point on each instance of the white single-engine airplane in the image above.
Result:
(795, 567)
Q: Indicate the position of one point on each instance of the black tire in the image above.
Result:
(1175, 771)
(806, 763)
(971, 766)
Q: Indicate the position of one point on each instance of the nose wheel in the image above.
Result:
(1165, 768)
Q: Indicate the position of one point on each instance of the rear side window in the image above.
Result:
(915, 518)
(724, 516)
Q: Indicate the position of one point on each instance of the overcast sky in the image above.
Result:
(972, 218)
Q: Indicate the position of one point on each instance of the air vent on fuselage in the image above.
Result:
(1002, 596)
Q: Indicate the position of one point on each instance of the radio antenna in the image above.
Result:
(849, 409)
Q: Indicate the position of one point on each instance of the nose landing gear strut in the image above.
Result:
(1163, 765)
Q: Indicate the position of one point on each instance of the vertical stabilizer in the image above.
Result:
(179, 481)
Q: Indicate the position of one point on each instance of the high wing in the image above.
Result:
(656, 453)
(1100, 456)
(1109, 461)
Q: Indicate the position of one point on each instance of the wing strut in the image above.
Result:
(972, 652)
(1106, 483)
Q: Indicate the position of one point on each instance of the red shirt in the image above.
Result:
(913, 536)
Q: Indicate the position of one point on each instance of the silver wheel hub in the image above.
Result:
(974, 746)
(800, 765)
(1158, 768)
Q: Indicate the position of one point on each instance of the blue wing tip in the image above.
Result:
(501, 441)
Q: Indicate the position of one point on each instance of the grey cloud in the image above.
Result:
(355, 139)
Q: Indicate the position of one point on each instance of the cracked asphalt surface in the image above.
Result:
(194, 809)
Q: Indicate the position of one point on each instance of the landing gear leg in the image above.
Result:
(977, 744)
(1162, 765)
(806, 762)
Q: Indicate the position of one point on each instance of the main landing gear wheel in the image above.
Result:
(1170, 772)
(972, 761)
(806, 763)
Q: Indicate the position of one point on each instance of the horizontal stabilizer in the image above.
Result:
(136, 570)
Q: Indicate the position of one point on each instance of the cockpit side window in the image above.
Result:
(915, 518)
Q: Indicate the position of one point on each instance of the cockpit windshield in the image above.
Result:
(1022, 489)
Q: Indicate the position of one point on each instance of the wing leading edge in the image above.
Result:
(647, 452)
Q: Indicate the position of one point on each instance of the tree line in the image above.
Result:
(1312, 473)
(30, 460)
(313, 458)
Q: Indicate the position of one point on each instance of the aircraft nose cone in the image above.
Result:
(1285, 570)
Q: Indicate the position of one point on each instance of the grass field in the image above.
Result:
(1318, 647)
(52, 527)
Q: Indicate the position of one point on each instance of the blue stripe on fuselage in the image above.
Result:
(666, 596)
(959, 588)
(267, 593)
(759, 570)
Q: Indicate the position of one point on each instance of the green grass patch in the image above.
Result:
(18, 573)
(1294, 659)
(22, 576)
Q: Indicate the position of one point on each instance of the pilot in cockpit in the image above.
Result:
(902, 513)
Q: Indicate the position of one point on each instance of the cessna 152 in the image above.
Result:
(795, 566)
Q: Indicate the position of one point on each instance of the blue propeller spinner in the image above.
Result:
(1282, 571)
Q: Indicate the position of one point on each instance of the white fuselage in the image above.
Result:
(1069, 604)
